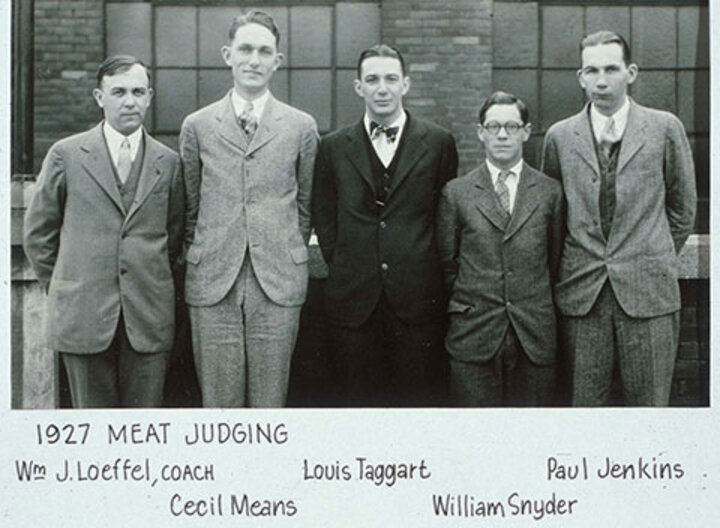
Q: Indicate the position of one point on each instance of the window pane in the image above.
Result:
(615, 19)
(656, 89)
(515, 34)
(279, 86)
(562, 31)
(214, 23)
(358, 27)
(349, 107)
(694, 100)
(311, 93)
(212, 85)
(653, 39)
(175, 36)
(175, 97)
(310, 36)
(693, 37)
(561, 96)
(128, 30)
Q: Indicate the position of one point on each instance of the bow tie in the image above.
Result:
(390, 132)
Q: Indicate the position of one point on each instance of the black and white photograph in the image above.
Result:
(357, 263)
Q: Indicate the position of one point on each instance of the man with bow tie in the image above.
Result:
(629, 181)
(500, 231)
(375, 194)
(103, 233)
(248, 161)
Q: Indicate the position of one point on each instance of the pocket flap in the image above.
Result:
(456, 307)
(299, 254)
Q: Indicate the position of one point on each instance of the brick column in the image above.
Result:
(448, 49)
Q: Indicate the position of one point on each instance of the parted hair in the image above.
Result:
(119, 64)
(606, 37)
(503, 98)
(255, 17)
(380, 50)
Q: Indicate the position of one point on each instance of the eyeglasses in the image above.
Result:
(511, 127)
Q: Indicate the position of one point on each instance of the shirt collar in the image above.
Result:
(239, 103)
(399, 122)
(114, 139)
(620, 117)
(495, 171)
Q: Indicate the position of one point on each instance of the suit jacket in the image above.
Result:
(96, 259)
(244, 197)
(371, 249)
(654, 212)
(500, 270)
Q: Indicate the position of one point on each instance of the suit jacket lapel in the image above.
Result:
(413, 149)
(487, 201)
(228, 126)
(633, 137)
(268, 126)
(524, 205)
(357, 153)
(584, 145)
(99, 166)
(149, 175)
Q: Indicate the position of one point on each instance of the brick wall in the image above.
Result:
(448, 49)
(69, 45)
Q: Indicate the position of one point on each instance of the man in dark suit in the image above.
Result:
(248, 161)
(103, 232)
(374, 199)
(629, 181)
(500, 231)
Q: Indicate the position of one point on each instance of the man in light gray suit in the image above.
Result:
(629, 181)
(248, 161)
(103, 233)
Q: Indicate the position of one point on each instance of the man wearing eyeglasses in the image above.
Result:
(629, 180)
(500, 231)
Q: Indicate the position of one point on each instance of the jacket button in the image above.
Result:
(508, 304)
(383, 224)
(123, 271)
(384, 266)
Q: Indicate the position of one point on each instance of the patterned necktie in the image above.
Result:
(390, 132)
(608, 137)
(124, 161)
(502, 190)
(247, 120)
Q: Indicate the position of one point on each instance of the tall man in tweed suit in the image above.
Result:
(376, 188)
(103, 233)
(248, 162)
(629, 181)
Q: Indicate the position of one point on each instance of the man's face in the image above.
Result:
(504, 149)
(124, 98)
(382, 85)
(253, 57)
(605, 77)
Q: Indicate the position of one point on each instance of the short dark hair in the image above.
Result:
(503, 98)
(255, 17)
(606, 37)
(119, 64)
(380, 50)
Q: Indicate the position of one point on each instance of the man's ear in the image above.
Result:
(358, 87)
(580, 79)
(632, 72)
(98, 96)
(225, 52)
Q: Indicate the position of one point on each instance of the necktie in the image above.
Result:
(247, 120)
(390, 132)
(502, 190)
(124, 161)
(608, 137)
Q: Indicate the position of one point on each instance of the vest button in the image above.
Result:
(383, 224)
(384, 266)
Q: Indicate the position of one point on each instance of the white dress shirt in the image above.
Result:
(114, 139)
(511, 181)
(385, 149)
(599, 121)
(239, 104)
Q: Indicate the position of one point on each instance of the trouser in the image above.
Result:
(243, 345)
(387, 362)
(508, 379)
(644, 349)
(119, 376)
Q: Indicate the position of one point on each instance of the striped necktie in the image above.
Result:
(124, 162)
(502, 190)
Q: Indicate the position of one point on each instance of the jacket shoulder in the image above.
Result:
(462, 184)
(164, 149)
(550, 184)
(562, 126)
(295, 113)
(204, 113)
